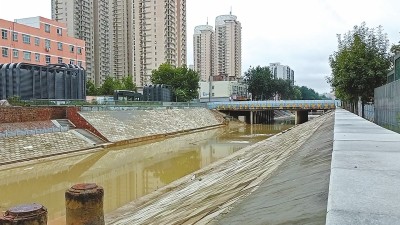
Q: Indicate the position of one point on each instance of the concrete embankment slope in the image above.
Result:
(365, 175)
(295, 193)
(24, 148)
(208, 194)
(119, 126)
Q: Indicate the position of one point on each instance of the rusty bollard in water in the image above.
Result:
(84, 205)
(28, 214)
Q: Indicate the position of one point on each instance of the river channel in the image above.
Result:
(126, 173)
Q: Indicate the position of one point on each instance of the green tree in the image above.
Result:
(395, 48)
(360, 64)
(309, 94)
(110, 84)
(283, 88)
(183, 81)
(260, 82)
(91, 89)
(296, 93)
(127, 83)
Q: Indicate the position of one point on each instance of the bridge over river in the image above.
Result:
(262, 111)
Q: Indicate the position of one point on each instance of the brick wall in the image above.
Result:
(30, 114)
(72, 113)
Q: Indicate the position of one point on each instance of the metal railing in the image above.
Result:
(78, 102)
(300, 104)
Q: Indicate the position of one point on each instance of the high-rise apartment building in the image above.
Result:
(228, 42)
(281, 72)
(88, 20)
(159, 36)
(203, 51)
(146, 34)
(122, 36)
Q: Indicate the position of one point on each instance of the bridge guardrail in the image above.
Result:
(285, 104)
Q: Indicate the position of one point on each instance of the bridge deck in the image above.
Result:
(265, 105)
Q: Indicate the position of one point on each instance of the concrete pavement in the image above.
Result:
(365, 173)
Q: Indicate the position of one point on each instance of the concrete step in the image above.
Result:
(64, 123)
(89, 137)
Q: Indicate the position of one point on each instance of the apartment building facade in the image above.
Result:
(146, 34)
(122, 36)
(88, 20)
(38, 40)
(228, 46)
(281, 72)
(203, 51)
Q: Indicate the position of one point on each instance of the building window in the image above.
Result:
(15, 53)
(80, 63)
(48, 59)
(37, 57)
(72, 62)
(4, 52)
(37, 41)
(27, 56)
(71, 48)
(60, 60)
(47, 28)
(59, 31)
(26, 39)
(60, 46)
(79, 50)
(4, 34)
(15, 36)
(47, 44)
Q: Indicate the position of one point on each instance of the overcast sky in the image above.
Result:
(297, 33)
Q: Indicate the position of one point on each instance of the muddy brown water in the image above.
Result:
(128, 172)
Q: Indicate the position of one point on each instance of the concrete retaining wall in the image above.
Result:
(72, 113)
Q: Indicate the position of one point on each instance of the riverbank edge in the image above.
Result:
(118, 213)
(103, 147)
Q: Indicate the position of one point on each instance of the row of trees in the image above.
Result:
(263, 86)
(360, 64)
(184, 82)
(110, 84)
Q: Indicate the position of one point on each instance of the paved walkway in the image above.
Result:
(365, 176)
(203, 196)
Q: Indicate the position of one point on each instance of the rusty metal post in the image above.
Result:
(84, 205)
(28, 214)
